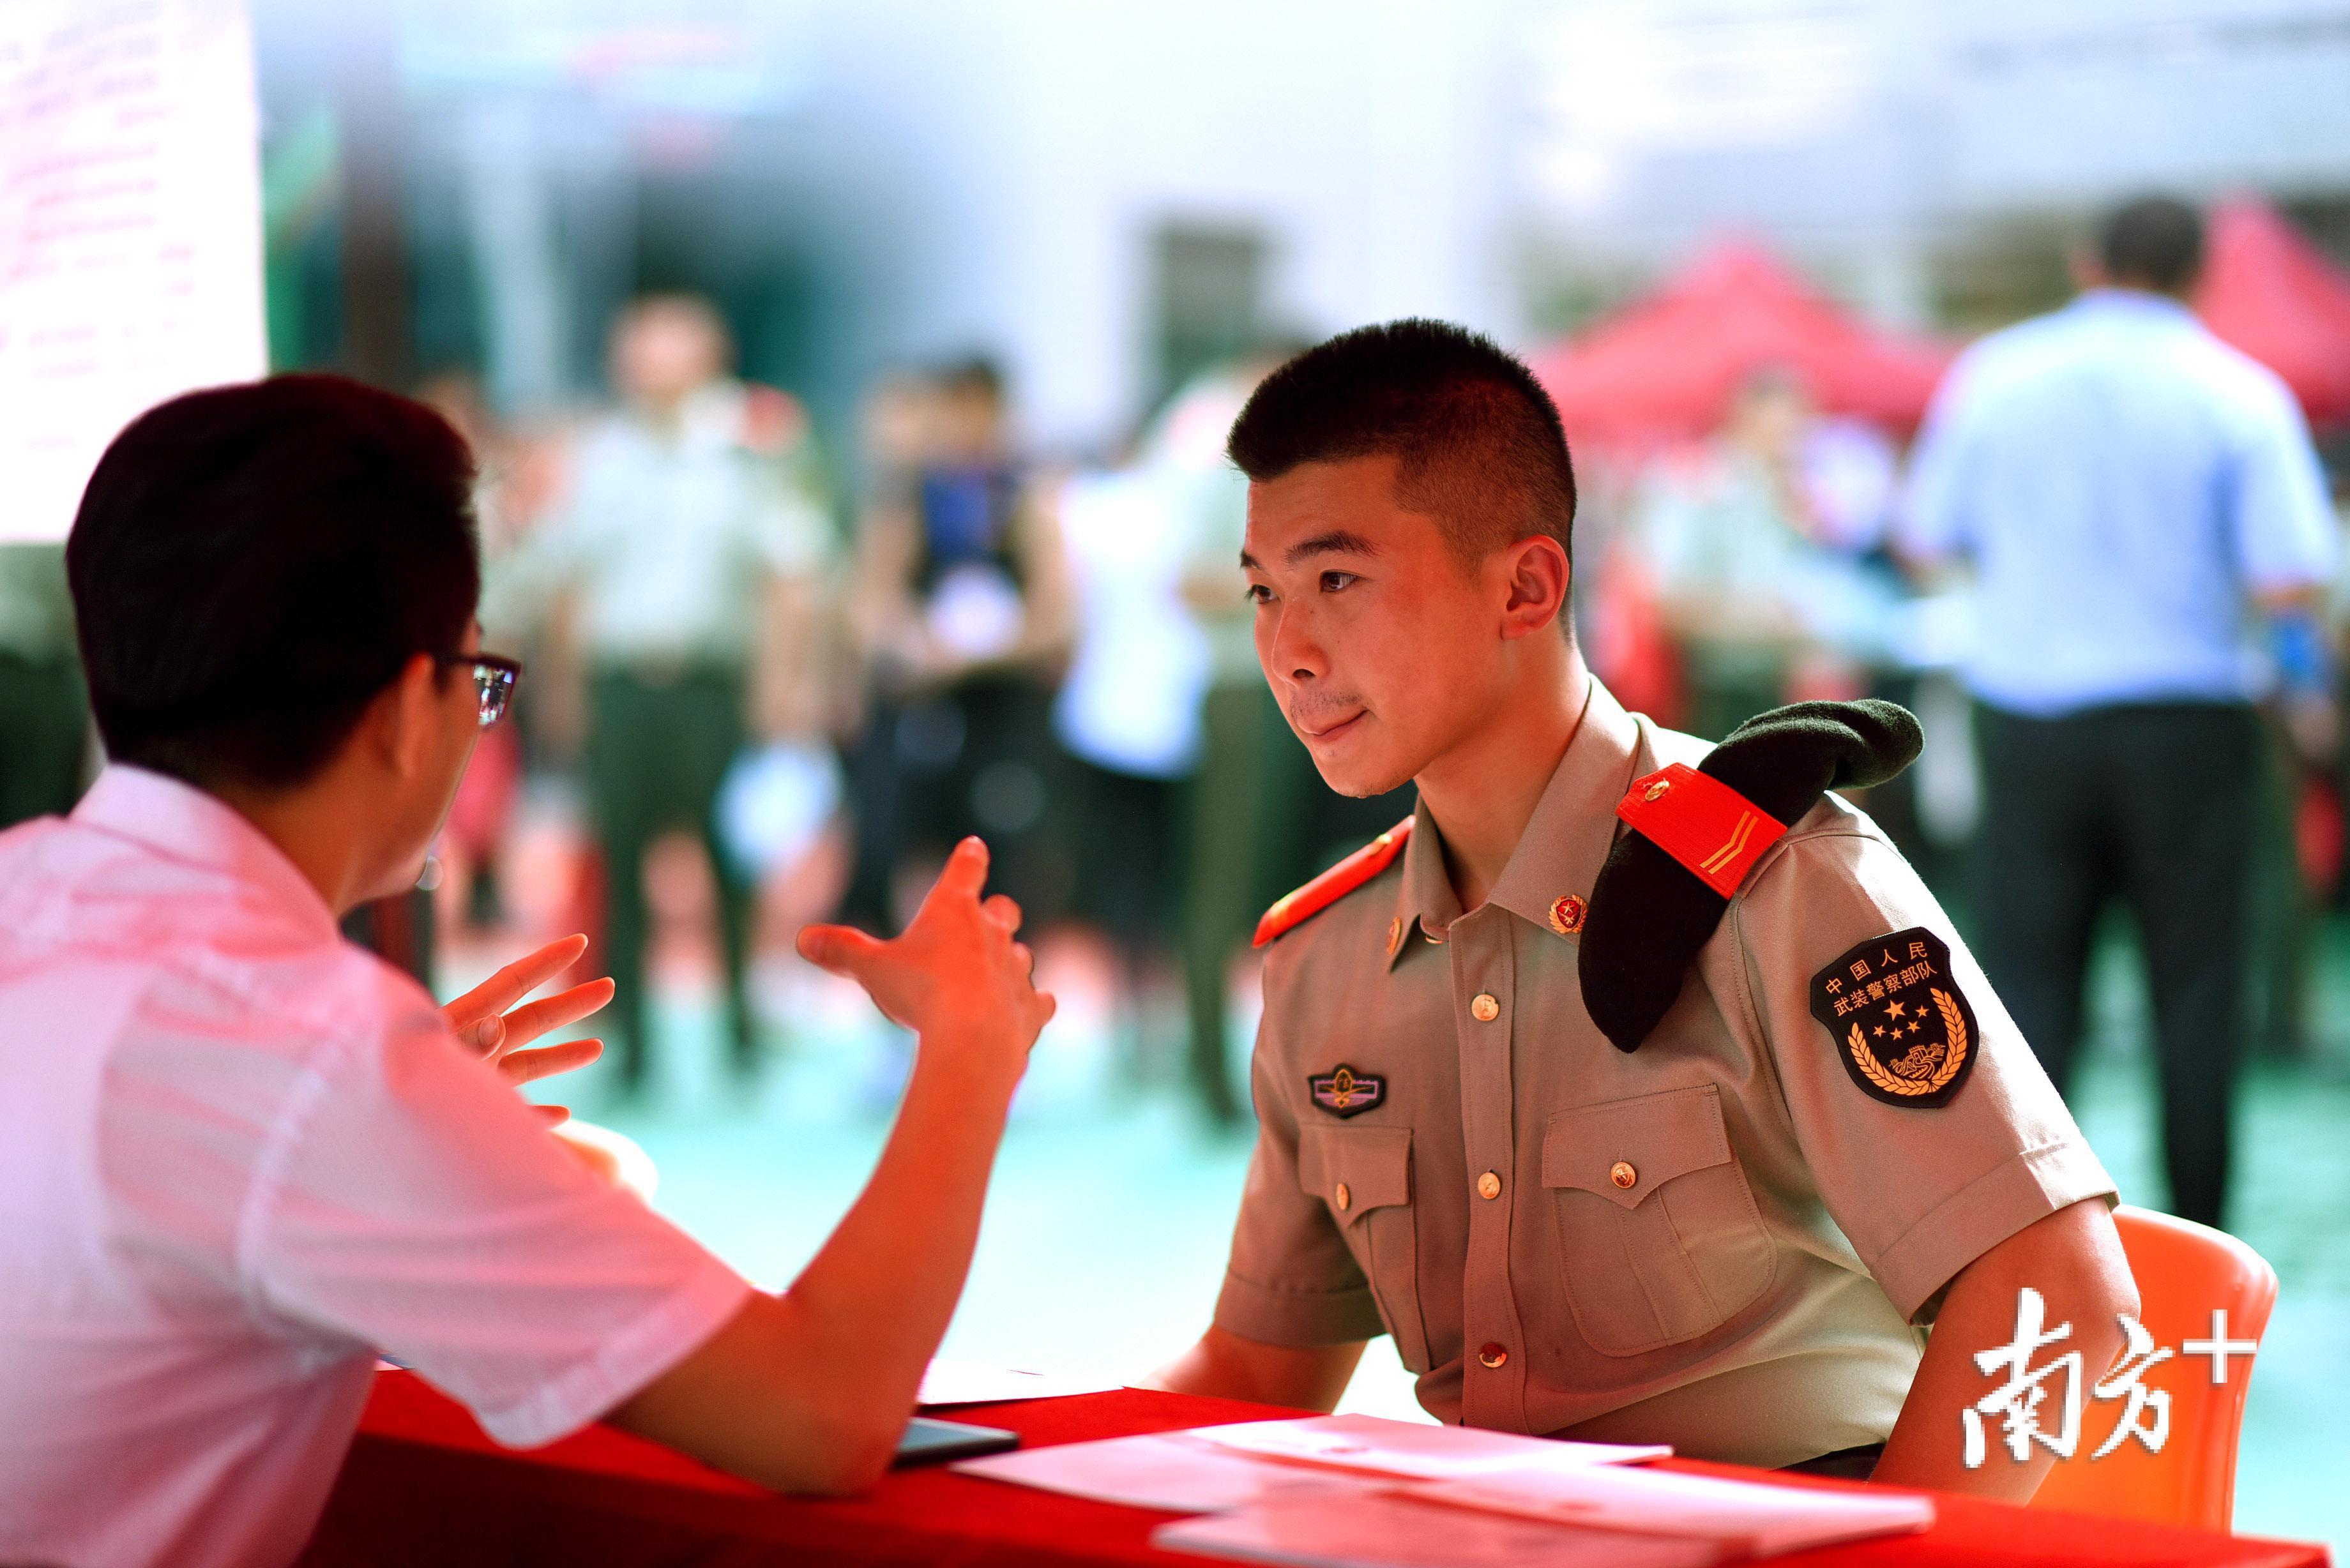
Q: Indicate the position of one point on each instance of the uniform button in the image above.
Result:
(1622, 1174)
(1344, 1198)
(1493, 1356)
(1489, 1186)
(1658, 790)
(1484, 1009)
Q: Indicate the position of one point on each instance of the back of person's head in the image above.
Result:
(1478, 442)
(252, 565)
(2154, 241)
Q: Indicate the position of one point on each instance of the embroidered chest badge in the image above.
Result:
(1347, 1093)
(1905, 1030)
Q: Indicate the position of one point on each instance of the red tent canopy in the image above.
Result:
(1666, 367)
(2273, 294)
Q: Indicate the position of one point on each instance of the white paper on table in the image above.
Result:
(1158, 1469)
(1377, 1446)
(1751, 1517)
(947, 1383)
(1377, 1529)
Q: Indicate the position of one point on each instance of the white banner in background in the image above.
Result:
(130, 230)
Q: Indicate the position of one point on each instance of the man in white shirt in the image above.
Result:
(683, 567)
(239, 1157)
(2144, 511)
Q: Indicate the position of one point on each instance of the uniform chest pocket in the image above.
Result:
(1363, 1174)
(1658, 1236)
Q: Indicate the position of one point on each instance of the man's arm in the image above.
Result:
(786, 678)
(809, 1390)
(1224, 1365)
(1930, 523)
(2073, 1258)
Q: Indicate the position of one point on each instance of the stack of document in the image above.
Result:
(1357, 1491)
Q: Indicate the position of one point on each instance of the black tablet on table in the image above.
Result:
(929, 1442)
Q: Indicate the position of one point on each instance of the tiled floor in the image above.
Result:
(1110, 1208)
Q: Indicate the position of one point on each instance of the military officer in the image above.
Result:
(1759, 1180)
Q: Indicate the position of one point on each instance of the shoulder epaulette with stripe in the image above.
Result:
(1297, 908)
(1716, 833)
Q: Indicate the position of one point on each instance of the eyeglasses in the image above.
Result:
(494, 680)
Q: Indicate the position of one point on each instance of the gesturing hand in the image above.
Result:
(954, 973)
(482, 1017)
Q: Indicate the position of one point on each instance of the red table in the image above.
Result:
(423, 1484)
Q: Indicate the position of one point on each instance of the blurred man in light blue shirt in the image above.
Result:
(2150, 536)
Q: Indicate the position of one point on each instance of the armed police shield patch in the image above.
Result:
(1347, 1093)
(1902, 1025)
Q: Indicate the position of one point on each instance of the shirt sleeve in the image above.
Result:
(2283, 529)
(410, 1201)
(790, 534)
(1931, 519)
(1291, 1280)
(1921, 1192)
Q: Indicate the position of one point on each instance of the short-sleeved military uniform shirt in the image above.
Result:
(1723, 1240)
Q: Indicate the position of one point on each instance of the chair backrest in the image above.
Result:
(2185, 1271)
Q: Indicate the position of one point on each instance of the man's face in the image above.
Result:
(971, 424)
(662, 354)
(1381, 647)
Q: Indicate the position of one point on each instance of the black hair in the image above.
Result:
(2154, 241)
(974, 375)
(252, 565)
(1479, 443)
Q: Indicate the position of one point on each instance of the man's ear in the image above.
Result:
(404, 717)
(1538, 577)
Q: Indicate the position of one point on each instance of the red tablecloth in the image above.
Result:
(423, 1484)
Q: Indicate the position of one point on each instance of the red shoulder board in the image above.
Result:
(1702, 823)
(1334, 884)
(772, 419)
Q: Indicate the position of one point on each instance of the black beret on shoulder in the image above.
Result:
(1650, 914)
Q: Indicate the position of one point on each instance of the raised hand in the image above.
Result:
(487, 1019)
(956, 973)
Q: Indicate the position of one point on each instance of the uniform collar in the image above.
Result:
(1566, 842)
(183, 822)
(2144, 303)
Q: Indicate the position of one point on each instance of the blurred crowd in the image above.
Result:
(820, 669)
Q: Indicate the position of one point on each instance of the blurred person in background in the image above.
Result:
(1260, 819)
(515, 480)
(44, 714)
(682, 562)
(1129, 716)
(2147, 526)
(1251, 793)
(963, 610)
(1754, 560)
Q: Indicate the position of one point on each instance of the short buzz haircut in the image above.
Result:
(253, 564)
(2155, 241)
(1478, 442)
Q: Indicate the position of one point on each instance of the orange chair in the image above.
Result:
(2184, 1271)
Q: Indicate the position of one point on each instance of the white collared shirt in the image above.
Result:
(238, 1157)
(2124, 484)
(669, 536)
